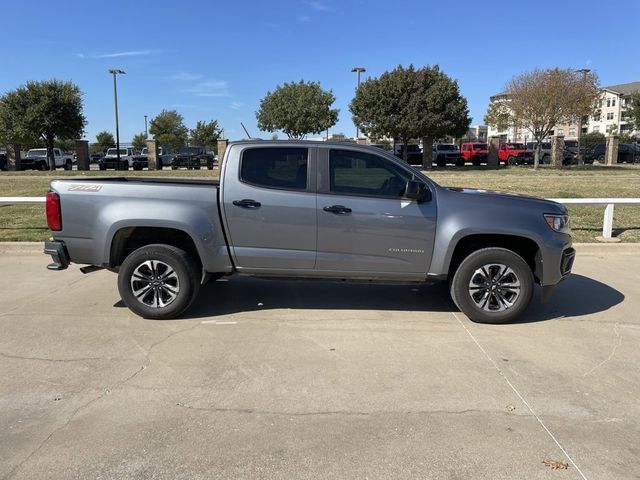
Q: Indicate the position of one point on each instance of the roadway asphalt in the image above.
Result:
(283, 380)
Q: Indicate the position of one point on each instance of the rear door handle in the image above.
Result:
(247, 203)
(337, 209)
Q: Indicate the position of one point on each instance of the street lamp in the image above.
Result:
(358, 70)
(584, 72)
(116, 72)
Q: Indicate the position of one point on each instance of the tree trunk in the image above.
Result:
(427, 156)
(536, 155)
(405, 156)
(50, 157)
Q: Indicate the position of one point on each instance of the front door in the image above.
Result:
(365, 225)
(270, 209)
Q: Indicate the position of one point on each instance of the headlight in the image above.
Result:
(559, 223)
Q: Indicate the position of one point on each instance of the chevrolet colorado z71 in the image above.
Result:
(309, 210)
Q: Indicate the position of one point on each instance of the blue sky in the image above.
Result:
(217, 59)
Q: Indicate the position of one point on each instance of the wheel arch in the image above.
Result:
(525, 247)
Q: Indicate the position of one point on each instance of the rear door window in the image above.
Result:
(280, 168)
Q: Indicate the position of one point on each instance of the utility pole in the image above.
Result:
(116, 72)
(584, 72)
(358, 70)
(146, 132)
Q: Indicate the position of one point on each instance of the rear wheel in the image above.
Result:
(102, 166)
(158, 281)
(511, 160)
(42, 166)
(492, 285)
(68, 165)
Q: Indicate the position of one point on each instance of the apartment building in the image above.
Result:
(610, 116)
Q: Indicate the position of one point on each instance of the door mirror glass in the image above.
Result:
(417, 191)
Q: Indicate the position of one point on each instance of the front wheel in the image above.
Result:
(492, 285)
(158, 281)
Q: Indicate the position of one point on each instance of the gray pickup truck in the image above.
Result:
(309, 210)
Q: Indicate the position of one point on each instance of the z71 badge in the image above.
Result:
(85, 188)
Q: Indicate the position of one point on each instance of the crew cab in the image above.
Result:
(110, 160)
(474, 152)
(36, 159)
(514, 154)
(299, 209)
(444, 153)
(193, 158)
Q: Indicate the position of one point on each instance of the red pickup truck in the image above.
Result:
(514, 154)
(474, 152)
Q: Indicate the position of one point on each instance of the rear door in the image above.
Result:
(269, 202)
(365, 226)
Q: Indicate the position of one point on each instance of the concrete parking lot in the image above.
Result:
(283, 380)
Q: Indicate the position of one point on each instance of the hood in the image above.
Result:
(491, 196)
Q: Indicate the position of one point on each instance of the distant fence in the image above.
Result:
(607, 222)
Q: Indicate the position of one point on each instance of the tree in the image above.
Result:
(542, 99)
(411, 103)
(105, 140)
(139, 141)
(297, 109)
(169, 130)
(46, 111)
(633, 109)
(206, 134)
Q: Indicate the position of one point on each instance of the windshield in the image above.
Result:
(113, 151)
(570, 143)
(447, 147)
(37, 152)
(515, 146)
(479, 146)
(190, 150)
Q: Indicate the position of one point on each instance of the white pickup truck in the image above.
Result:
(110, 160)
(36, 159)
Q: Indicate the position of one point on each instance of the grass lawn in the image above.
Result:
(27, 223)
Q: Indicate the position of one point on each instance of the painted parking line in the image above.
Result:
(215, 322)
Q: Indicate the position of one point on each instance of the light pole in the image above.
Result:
(146, 133)
(358, 70)
(116, 72)
(584, 72)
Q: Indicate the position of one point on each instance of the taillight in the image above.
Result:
(54, 215)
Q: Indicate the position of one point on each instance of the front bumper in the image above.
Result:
(58, 253)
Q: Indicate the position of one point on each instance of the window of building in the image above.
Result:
(610, 116)
(596, 117)
(613, 102)
(358, 173)
(608, 102)
(561, 132)
(284, 168)
(596, 129)
(572, 132)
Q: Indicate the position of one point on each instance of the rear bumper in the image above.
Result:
(58, 253)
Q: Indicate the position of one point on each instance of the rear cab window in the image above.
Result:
(283, 168)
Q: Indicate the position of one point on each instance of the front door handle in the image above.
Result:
(337, 209)
(247, 203)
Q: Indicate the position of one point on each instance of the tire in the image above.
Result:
(546, 159)
(460, 163)
(441, 162)
(500, 303)
(510, 160)
(68, 165)
(143, 270)
(42, 166)
(102, 167)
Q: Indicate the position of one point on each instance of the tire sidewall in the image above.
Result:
(181, 263)
(462, 276)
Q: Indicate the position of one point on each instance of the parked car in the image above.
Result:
(627, 153)
(193, 158)
(164, 153)
(95, 157)
(513, 153)
(3, 162)
(414, 152)
(110, 160)
(309, 210)
(545, 151)
(36, 159)
(140, 160)
(444, 153)
(474, 152)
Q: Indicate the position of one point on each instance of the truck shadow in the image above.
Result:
(575, 297)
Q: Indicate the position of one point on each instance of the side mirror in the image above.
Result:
(417, 191)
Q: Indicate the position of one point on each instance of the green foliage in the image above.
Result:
(42, 111)
(499, 115)
(66, 145)
(593, 138)
(105, 140)
(633, 109)
(411, 103)
(297, 109)
(206, 134)
(626, 138)
(169, 130)
(139, 141)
